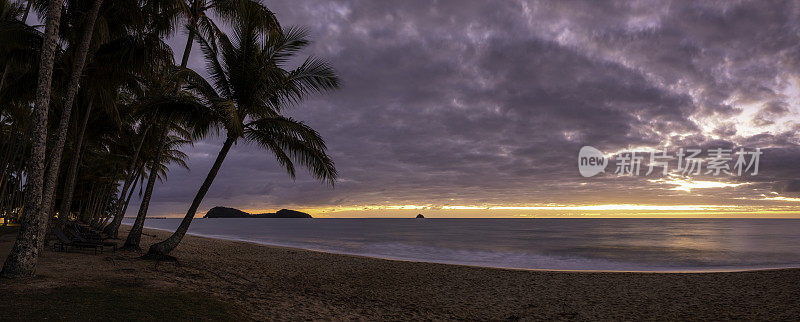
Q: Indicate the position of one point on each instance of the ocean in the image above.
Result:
(555, 244)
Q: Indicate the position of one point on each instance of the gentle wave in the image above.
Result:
(550, 244)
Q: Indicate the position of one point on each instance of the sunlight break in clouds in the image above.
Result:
(686, 184)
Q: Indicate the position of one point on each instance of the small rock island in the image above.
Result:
(225, 212)
(420, 216)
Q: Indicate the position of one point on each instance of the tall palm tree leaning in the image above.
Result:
(178, 111)
(167, 153)
(24, 254)
(251, 86)
(195, 13)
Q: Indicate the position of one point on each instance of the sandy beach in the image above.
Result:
(265, 283)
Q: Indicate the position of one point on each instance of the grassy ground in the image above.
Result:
(115, 304)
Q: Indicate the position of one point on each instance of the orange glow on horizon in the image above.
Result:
(788, 210)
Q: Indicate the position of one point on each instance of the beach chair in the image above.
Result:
(92, 233)
(91, 239)
(64, 243)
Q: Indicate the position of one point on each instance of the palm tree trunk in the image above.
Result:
(187, 50)
(7, 163)
(27, 11)
(82, 203)
(17, 200)
(17, 197)
(63, 126)
(130, 194)
(93, 209)
(93, 205)
(5, 74)
(72, 174)
(25, 252)
(193, 22)
(113, 229)
(102, 205)
(135, 235)
(98, 205)
(165, 247)
(5, 179)
(87, 206)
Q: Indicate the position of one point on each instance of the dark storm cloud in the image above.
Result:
(472, 102)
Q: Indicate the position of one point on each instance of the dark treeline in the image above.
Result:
(94, 108)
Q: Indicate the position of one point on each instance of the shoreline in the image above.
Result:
(272, 282)
(655, 271)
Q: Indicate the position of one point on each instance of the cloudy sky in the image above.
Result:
(479, 108)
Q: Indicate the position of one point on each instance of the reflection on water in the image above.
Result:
(584, 244)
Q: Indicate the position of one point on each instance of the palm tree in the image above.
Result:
(99, 167)
(19, 48)
(21, 261)
(165, 154)
(195, 12)
(160, 15)
(51, 178)
(179, 111)
(159, 20)
(117, 65)
(14, 143)
(117, 23)
(9, 17)
(19, 52)
(130, 180)
(72, 173)
(251, 85)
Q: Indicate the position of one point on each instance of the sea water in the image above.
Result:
(555, 244)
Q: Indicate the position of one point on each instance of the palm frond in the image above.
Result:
(292, 141)
(214, 68)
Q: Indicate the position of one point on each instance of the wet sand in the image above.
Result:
(269, 282)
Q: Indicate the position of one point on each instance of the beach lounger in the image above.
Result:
(90, 233)
(64, 243)
(92, 239)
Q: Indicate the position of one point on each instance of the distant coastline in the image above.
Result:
(225, 212)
